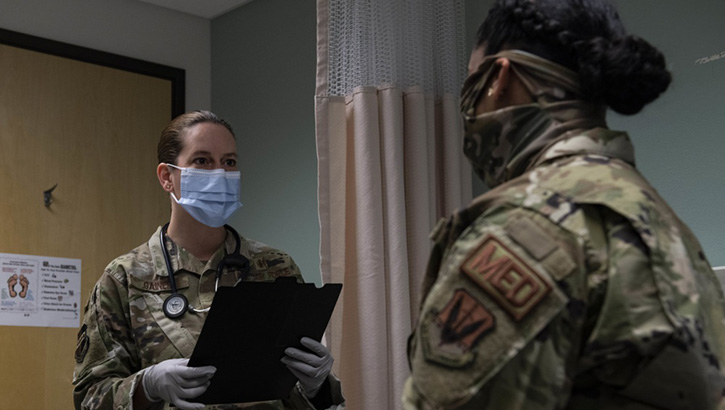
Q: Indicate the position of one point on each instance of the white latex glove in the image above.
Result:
(173, 381)
(312, 368)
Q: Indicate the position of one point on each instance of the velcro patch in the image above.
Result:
(464, 320)
(82, 345)
(260, 263)
(456, 329)
(532, 238)
(506, 277)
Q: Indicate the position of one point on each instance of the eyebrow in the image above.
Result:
(207, 153)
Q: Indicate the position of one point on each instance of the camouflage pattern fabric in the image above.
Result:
(125, 330)
(500, 144)
(570, 285)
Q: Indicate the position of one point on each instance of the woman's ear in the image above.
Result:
(164, 175)
(502, 79)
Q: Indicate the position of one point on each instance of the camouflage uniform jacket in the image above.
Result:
(571, 286)
(125, 330)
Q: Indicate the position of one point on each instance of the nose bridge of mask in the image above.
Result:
(211, 182)
(213, 185)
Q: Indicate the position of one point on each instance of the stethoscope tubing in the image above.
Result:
(176, 304)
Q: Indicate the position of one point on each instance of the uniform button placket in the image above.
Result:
(206, 288)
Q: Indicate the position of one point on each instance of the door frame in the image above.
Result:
(177, 76)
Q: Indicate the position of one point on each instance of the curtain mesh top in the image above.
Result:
(399, 42)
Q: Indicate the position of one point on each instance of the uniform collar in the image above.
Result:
(596, 141)
(180, 258)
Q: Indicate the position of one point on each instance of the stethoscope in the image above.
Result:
(177, 304)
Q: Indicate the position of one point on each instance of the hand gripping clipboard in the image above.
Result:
(247, 330)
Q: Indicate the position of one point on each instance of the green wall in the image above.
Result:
(263, 83)
(679, 138)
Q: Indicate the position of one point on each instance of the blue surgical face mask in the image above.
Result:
(210, 196)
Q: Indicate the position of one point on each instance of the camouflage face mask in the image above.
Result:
(500, 143)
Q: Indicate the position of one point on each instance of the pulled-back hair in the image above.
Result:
(170, 143)
(587, 36)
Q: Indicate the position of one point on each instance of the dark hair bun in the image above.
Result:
(586, 36)
(626, 73)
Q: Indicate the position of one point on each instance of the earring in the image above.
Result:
(490, 91)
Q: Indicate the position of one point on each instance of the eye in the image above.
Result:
(231, 162)
(201, 161)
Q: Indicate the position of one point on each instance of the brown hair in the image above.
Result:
(170, 144)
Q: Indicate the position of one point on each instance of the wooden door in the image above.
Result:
(93, 131)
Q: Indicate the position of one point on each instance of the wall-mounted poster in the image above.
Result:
(39, 291)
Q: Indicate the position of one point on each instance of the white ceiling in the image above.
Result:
(202, 8)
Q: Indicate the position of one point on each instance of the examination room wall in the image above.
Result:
(263, 71)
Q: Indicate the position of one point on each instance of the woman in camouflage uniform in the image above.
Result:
(571, 284)
(129, 353)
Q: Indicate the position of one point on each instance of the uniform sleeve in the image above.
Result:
(106, 372)
(498, 329)
(631, 327)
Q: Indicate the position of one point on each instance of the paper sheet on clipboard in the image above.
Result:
(247, 330)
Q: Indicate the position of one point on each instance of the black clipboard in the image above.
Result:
(248, 328)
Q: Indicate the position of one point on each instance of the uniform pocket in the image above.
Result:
(157, 336)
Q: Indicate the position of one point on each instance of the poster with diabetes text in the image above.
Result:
(39, 291)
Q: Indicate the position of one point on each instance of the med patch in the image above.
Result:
(506, 277)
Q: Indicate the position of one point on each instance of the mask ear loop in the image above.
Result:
(171, 193)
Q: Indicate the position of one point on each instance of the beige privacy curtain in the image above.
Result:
(390, 164)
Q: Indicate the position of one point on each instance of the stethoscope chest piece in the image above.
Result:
(175, 305)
